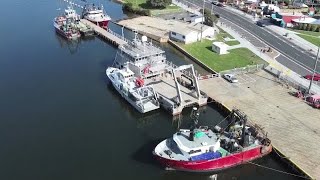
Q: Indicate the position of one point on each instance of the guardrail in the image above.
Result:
(117, 35)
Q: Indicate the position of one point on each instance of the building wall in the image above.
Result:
(208, 32)
(189, 38)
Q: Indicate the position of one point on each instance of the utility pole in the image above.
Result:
(122, 32)
(211, 8)
(202, 20)
(314, 70)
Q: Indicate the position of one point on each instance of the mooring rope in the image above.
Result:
(273, 169)
(282, 157)
(224, 120)
(277, 170)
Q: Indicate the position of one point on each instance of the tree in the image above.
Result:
(209, 19)
(159, 3)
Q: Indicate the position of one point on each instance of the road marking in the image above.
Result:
(259, 38)
(283, 53)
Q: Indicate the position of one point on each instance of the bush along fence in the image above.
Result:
(243, 70)
(128, 7)
(308, 27)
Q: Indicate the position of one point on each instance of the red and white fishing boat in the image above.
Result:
(65, 28)
(201, 149)
(96, 15)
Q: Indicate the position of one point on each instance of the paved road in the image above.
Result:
(291, 56)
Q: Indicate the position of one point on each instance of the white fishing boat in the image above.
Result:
(141, 97)
(96, 15)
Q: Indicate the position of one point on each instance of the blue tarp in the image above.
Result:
(206, 156)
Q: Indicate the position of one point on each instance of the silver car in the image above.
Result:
(231, 78)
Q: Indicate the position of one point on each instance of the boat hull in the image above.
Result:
(133, 103)
(216, 164)
(103, 24)
(63, 34)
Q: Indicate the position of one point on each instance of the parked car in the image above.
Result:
(231, 78)
(259, 23)
(309, 77)
(215, 2)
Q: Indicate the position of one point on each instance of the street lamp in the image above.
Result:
(314, 70)
(202, 20)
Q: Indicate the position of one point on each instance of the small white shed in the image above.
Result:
(220, 47)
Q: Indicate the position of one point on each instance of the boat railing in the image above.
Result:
(117, 35)
(187, 73)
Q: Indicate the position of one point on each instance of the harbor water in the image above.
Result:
(61, 119)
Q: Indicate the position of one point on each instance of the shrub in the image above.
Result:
(313, 27)
(129, 8)
(304, 27)
(308, 27)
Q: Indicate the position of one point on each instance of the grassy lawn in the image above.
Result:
(311, 33)
(232, 43)
(136, 3)
(313, 39)
(236, 58)
(143, 4)
(222, 34)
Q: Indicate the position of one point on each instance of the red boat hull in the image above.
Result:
(103, 24)
(216, 164)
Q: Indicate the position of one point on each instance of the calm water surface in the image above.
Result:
(59, 118)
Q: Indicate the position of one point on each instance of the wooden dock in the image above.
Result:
(292, 125)
(106, 34)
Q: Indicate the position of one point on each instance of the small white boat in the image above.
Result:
(141, 97)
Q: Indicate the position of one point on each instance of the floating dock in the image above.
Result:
(106, 34)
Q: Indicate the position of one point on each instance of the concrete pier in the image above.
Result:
(292, 125)
(106, 34)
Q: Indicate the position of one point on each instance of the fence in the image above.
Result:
(190, 7)
(243, 70)
(117, 35)
(284, 79)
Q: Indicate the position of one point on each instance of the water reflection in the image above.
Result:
(72, 45)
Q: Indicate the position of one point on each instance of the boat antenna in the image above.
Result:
(135, 35)
(195, 116)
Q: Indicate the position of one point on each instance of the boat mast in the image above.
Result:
(195, 117)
